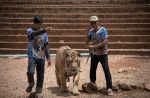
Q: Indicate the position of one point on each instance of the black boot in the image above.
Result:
(29, 88)
(31, 83)
(38, 90)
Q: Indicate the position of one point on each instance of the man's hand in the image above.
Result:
(48, 63)
(48, 28)
(91, 47)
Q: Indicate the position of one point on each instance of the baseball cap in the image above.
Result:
(37, 19)
(94, 18)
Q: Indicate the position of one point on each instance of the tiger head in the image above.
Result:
(72, 63)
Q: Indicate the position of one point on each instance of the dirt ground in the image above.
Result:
(13, 80)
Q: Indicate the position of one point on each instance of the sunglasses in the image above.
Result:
(93, 22)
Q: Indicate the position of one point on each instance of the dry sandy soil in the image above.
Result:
(13, 80)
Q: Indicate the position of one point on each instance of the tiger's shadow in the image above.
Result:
(57, 91)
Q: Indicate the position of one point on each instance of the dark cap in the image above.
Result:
(37, 19)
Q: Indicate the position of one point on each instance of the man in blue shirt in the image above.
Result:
(96, 40)
(37, 51)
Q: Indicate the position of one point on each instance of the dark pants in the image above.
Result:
(103, 59)
(39, 64)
